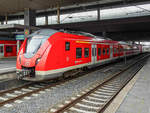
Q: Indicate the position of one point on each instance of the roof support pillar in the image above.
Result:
(46, 20)
(98, 14)
(58, 14)
(2, 22)
(18, 46)
(29, 17)
(6, 18)
(133, 42)
(29, 20)
(104, 34)
(139, 42)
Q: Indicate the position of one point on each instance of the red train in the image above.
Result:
(8, 48)
(49, 53)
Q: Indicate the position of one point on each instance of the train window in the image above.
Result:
(9, 49)
(1, 49)
(118, 50)
(99, 51)
(107, 50)
(121, 50)
(86, 52)
(67, 46)
(115, 50)
(103, 51)
(78, 52)
(95, 52)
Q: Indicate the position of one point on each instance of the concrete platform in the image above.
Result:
(135, 97)
(7, 65)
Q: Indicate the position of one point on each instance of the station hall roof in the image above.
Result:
(16, 6)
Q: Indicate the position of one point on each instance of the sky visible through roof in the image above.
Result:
(112, 13)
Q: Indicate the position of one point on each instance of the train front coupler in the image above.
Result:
(24, 73)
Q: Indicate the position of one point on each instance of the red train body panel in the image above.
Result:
(8, 48)
(49, 53)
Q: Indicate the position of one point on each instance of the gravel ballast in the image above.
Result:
(49, 98)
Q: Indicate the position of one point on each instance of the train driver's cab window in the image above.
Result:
(67, 46)
(103, 51)
(99, 51)
(78, 52)
(1, 49)
(86, 52)
(9, 49)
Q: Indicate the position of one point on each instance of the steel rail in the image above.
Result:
(74, 102)
(49, 85)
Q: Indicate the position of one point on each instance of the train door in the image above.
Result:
(111, 51)
(1, 50)
(103, 51)
(94, 53)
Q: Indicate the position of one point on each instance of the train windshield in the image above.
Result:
(34, 43)
(36, 39)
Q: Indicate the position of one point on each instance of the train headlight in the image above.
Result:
(37, 61)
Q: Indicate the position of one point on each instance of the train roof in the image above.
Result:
(45, 32)
(84, 34)
(49, 32)
(126, 43)
(123, 43)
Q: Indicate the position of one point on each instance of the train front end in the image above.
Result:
(32, 54)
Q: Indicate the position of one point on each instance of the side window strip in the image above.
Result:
(78, 52)
(86, 52)
(67, 46)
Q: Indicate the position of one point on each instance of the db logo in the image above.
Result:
(27, 63)
(67, 59)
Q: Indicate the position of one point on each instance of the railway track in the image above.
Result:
(32, 88)
(96, 99)
(14, 94)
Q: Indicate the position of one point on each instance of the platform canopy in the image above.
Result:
(15, 6)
